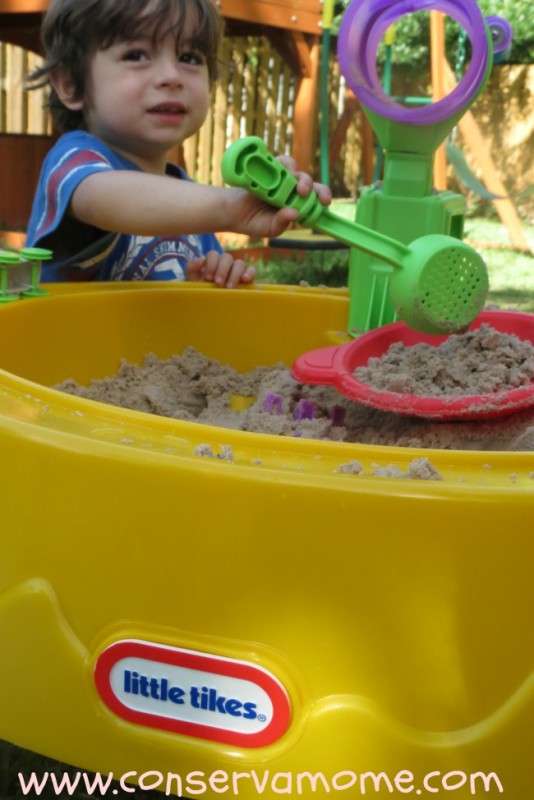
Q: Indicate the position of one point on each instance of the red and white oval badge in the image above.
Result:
(192, 693)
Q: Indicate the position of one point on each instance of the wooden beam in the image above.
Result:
(352, 108)
(20, 22)
(368, 149)
(481, 154)
(303, 48)
(298, 15)
(306, 112)
(294, 49)
(23, 6)
(21, 156)
(22, 30)
(437, 51)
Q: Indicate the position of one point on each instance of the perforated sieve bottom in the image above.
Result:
(452, 289)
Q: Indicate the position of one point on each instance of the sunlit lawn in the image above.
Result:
(511, 273)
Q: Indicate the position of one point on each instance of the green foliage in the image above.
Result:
(327, 268)
(412, 34)
(518, 13)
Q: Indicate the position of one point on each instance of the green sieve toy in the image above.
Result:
(404, 204)
(438, 284)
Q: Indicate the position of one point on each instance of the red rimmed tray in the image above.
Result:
(335, 366)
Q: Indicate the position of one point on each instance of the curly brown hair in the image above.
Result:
(72, 31)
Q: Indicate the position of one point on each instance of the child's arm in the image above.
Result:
(142, 204)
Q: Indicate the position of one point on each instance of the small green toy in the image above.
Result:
(20, 272)
(35, 256)
(8, 260)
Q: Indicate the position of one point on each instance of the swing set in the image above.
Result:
(444, 81)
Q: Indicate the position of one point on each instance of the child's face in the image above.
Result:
(146, 97)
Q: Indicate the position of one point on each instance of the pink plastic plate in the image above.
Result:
(335, 366)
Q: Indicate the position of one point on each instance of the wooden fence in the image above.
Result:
(254, 96)
(20, 111)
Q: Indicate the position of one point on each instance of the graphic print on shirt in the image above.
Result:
(158, 259)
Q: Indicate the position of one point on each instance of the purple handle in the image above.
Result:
(501, 37)
(361, 32)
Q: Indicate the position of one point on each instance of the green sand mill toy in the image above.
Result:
(408, 260)
(438, 284)
(404, 205)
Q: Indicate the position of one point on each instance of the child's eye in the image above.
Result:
(135, 55)
(192, 57)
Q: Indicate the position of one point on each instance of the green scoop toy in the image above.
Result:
(438, 284)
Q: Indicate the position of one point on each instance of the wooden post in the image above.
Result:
(290, 15)
(482, 156)
(353, 107)
(437, 51)
(306, 111)
(339, 135)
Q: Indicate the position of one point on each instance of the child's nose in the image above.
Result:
(170, 72)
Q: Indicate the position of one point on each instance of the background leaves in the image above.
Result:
(412, 33)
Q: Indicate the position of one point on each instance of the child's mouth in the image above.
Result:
(167, 110)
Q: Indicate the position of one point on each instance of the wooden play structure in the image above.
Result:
(443, 82)
(294, 29)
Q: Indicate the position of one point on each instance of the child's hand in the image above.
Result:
(255, 218)
(305, 182)
(220, 268)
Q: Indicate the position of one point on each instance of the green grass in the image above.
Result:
(511, 272)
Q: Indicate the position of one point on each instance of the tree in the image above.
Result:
(412, 34)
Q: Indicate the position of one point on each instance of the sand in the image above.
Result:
(193, 387)
(479, 362)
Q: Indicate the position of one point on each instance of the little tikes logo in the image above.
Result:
(192, 693)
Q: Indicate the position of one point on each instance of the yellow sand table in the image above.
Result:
(269, 621)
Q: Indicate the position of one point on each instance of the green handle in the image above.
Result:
(247, 163)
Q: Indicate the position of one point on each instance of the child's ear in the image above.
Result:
(61, 80)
